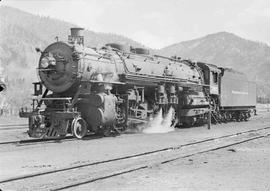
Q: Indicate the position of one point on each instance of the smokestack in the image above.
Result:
(76, 36)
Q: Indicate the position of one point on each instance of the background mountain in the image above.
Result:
(21, 32)
(228, 50)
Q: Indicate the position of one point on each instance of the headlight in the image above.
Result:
(52, 61)
(44, 63)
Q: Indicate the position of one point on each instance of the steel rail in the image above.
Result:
(12, 125)
(28, 141)
(137, 155)
(147, 166)
(12, 128)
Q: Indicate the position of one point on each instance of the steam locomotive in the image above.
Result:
(84, 89)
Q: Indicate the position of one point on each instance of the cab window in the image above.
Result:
(215, 77)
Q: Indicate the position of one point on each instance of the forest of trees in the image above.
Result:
(22, 32)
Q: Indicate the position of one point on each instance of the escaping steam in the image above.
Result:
(158, 124)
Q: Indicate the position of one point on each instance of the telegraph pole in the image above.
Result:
(209, 118)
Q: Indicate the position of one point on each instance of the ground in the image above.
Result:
(242, 167)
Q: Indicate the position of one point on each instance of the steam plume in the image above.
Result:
(160, 125)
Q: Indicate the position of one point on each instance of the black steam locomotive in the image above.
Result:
(101, 91)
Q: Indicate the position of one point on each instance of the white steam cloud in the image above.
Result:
(159, 124)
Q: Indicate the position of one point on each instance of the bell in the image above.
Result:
(100, 77)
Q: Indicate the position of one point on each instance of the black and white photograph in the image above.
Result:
(135, 95)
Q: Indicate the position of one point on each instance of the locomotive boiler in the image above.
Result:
(84, 89)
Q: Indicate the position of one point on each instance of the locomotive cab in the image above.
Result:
(211, 75)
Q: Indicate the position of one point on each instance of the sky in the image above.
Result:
(159, 23)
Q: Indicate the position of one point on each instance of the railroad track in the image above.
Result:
(26, 142)
(87, 173)
(12, 128)
(12, 125)
(34, 141)
(6, 127)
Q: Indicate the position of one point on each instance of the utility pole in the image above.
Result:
(209, 117)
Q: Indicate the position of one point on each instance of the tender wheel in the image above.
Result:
(79, 128)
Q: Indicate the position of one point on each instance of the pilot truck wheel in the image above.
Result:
(79, 128)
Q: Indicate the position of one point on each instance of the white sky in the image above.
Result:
(158, 23)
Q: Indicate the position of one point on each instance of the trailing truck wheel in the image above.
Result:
(79, 128)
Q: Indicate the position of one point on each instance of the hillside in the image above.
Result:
(20, 33)
(228, 50)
